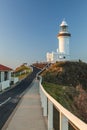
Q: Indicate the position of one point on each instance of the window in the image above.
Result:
(6, 75)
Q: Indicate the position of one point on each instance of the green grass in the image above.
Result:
(63, 95)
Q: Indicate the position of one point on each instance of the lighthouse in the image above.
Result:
(62, 53)
(63, 37)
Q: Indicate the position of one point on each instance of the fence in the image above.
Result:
(58, 117)
(4, 84)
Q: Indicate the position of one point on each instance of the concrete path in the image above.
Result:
(29, 113)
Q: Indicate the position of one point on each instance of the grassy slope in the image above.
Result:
(61, 81)
(63, 95)
(67, 73)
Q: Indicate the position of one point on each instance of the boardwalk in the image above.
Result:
(29, 113)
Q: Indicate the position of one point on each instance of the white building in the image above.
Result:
(63, 45)
(50, 57)
(5, 77)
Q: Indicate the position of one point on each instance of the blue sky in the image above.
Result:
(29, 28)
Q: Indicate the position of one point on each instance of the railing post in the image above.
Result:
(42, 99)
(50, 115)
(45, 106)
(63, 122)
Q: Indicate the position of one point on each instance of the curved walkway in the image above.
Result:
(29, 113)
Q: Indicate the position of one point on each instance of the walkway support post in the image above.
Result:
(45, 106)
(42, 98)
(63, 122)
(50, 115)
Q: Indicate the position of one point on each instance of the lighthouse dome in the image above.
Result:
(63, 23)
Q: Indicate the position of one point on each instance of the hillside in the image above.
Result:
(40, 65)
(22, 71)
(67, 83)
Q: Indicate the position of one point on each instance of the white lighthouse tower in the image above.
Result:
(63, 37)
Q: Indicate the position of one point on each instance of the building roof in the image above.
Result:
(63, 23)
(4, 68)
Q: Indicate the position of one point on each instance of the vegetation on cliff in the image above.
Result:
(67, 83)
